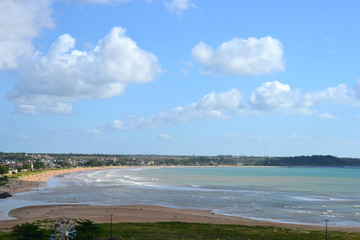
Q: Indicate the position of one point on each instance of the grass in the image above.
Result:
(187, 231)
(178, 230)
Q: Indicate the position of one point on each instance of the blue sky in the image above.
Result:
(180, 77)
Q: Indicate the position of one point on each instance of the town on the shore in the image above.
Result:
(18, 162)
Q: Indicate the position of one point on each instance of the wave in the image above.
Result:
(320, 199)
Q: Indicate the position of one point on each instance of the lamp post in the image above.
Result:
(326, 223)
(111, 215)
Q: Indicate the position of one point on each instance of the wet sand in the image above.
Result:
(139, 213)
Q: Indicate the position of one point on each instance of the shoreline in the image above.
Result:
(17, 185)
(124, 213)
(33, 182)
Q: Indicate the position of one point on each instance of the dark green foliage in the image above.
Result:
(93, 163)
(3, 170)
(316, 160)
(86, 229)
(39, 165)
(94, 160)
(65, 164)
(3, 180)
(199, 231)
(27, 231)
(26, 166)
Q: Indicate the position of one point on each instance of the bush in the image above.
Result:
(86, 229)
(27, 231)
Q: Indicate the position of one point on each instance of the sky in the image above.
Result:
(180, 77)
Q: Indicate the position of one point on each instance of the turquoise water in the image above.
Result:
(281, 194)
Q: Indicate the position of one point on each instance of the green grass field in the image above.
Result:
(187, 231)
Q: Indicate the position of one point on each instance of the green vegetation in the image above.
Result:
(43, 161)
(3, 180)
(27, 174)
(86, 229)
(27, 231)
(178, 230)
(3, 170)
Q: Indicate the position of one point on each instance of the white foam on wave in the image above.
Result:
(264, 218)
(320, 199)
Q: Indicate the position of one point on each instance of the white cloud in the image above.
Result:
(238, 56)
(179, 6)
(116, 124)
(327, 116)
(24, 136)
(277, 97)
(211, 106)
(165, 136)
(51, 82)
(20, 22)
(340, 94)
(269, 98)
(95, 131)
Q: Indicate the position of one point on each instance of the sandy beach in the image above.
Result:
(39, 180)
(125, 213)
(139, 213)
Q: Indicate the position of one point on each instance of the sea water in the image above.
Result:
(279, 194)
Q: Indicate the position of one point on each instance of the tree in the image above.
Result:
(26, 166)
(39, 165)
(65, 164)
(3, 170)
(86, 229)
(27, 231)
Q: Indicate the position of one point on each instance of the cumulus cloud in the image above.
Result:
(179, 6)
(213, 105)
(116, 124)
(165, 136)
(20, 22)
(269, 98)
(340, 94)
(238, 56)
(51, 82)
(277, 97)
(327, 116)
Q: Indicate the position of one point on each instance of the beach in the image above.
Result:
(124, 213)
(39, 180)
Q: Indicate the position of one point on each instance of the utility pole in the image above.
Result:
(326, 223)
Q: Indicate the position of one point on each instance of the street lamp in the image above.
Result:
(326, 223)
(111, 215)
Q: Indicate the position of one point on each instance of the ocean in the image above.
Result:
(279, 194)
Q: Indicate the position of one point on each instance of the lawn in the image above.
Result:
(187, 231)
